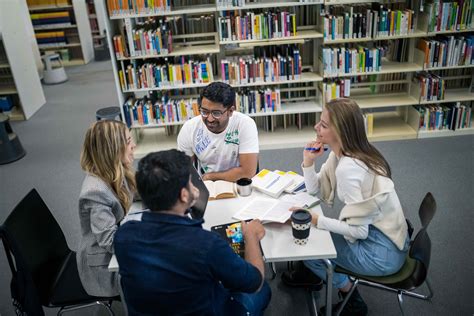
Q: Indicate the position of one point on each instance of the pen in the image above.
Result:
(315, 149)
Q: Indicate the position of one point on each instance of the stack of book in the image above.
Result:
(273, 69)
(53, 18)
(254, 26)
(447, 51)
(50, 38)
(164, 111)
(432, 86)
(345, 60)
(446, 116)
(248, 101)
(449, 15)
(166, 74)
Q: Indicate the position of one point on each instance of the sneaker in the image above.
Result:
(355, 306)
(302, 277)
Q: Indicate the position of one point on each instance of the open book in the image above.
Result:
(266, 210)
(220, 189)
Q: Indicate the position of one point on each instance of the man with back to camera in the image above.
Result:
(170, 265)
(224, 142)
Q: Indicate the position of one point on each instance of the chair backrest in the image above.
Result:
(427, 210)
(36, 241)
(420, 250)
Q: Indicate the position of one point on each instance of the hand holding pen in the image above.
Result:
(311, 151)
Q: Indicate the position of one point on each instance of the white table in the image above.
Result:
(277, 245)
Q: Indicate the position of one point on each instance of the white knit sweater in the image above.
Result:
(368, 199)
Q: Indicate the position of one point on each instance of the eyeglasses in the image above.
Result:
(215, 114)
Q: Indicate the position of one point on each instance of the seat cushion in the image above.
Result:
(396, 280)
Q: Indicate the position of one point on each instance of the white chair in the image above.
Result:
(54, 72)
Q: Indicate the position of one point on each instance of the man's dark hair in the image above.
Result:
(219, 92)
(160, 178)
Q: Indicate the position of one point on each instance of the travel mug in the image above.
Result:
(244, 187)
(301, 225)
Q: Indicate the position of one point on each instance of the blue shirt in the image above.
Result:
(169, 265)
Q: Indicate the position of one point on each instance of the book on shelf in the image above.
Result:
(270, 183)
(161, 111)
(220, 189)
(50, 38)
(445, 116)
(125, 7)
(448, 15)
(369, 123)
(339, 88)
(432, 86)
(257, 101)
(257, 26)
(297, 181)
(251, 69)
(52, 18)
(152, 37)
(444, 51)
(367, 21)
(146, 75)
(52, 3)
(347, 60)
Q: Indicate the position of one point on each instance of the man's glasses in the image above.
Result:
(215, 114)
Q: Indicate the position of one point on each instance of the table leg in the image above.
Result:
(272, 269)
(329, 272)
(122, 297)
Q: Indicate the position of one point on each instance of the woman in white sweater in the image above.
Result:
(371, 234)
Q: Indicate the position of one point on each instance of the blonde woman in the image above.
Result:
(371, 234)
(106, 196)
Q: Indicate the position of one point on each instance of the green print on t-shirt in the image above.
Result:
(232, 137)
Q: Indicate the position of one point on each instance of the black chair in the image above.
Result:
(44, 269)
(414, 271)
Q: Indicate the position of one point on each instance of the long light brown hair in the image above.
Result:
(104, 147)
(348, 123)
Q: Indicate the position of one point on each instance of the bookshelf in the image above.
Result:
(386, 93)
(62, 26)
(21, 93)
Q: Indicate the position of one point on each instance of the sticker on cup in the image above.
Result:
(301, 226)
(244, 187)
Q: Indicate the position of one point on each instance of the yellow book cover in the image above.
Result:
(370, 124)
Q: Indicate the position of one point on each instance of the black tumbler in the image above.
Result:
(301, 225)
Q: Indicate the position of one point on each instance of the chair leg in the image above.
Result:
(400, 302)
(107, 305)
(272, 269)
(348, 296)
(407, 293)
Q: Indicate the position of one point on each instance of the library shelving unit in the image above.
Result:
(386, 95)
(63, 27)
(20, 84)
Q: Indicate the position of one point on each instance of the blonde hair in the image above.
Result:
(348, 122)
(104, 147)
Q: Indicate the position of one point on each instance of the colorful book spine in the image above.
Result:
(346, 60)
(450, 116)
(334, 89)
(445, 51)
(449, 15)
(258, 101)
(432, 86)
(124, 7)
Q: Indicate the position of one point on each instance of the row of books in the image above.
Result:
(368, 23)
(257, 101)
(339, 88)
(36, 3)
(59, 17)
(157, 40)
(242, 3)
(251, 70)
(342, 60)
(253, 26)
(153, 75)
(145, 111)
(119, 7)
(445, 116)
(447, 51)
(51, 37)
(448, 15)
(432, 86)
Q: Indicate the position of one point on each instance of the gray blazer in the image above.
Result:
(100, 212)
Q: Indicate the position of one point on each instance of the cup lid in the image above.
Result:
(301, 216)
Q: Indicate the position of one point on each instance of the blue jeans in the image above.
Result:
(376, 255)
(254, 303)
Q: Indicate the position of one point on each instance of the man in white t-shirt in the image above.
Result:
(224, 142)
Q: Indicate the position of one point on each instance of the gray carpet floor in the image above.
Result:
(443, 166)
